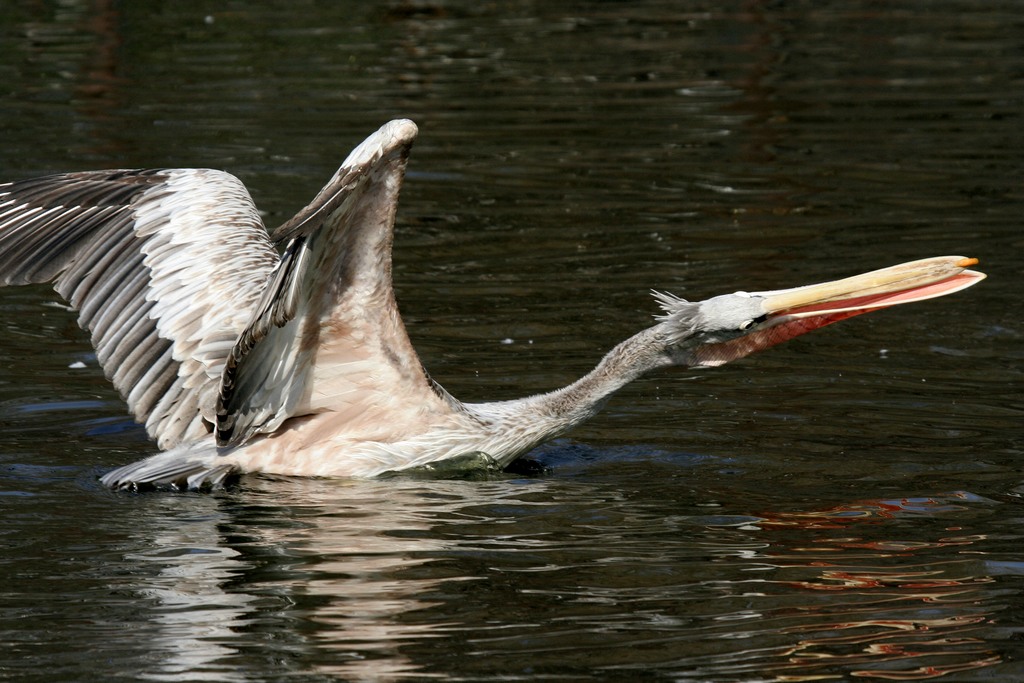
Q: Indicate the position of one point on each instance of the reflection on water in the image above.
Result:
(342, 565)
(901, 614)
(322, 556)
(194, 616)
(845, 507)
(376, 580)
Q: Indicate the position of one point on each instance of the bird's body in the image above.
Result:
(375, 444)
(238, 359)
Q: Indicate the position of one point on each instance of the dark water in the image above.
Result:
(846, 507)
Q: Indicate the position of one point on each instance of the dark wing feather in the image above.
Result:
(326, 335)
(164, 268)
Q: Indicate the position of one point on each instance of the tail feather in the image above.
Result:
(174, 470)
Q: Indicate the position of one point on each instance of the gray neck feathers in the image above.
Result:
(565, 408)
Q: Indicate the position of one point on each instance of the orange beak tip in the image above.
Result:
(966, 262)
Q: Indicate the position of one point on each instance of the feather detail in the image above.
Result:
(163, 267)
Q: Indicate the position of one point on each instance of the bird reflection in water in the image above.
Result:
(900, 620)
(329, 569)
(358, 581)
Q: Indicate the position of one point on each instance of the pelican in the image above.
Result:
(239, 358)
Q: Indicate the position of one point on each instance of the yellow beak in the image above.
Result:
(907, 282)
(790, 313)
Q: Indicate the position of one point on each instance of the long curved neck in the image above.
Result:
(631, 359)
(530, 421)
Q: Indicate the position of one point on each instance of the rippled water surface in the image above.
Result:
(845, 507)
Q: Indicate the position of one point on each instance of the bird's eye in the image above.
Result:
(753, 322)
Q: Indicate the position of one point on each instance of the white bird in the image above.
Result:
(239, 360)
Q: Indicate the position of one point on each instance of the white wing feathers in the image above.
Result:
(163, 267)
(195, 318)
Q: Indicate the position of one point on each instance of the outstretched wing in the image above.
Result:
(327, 336)
(164, 268)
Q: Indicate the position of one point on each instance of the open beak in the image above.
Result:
(913, 281)
(792, 312)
